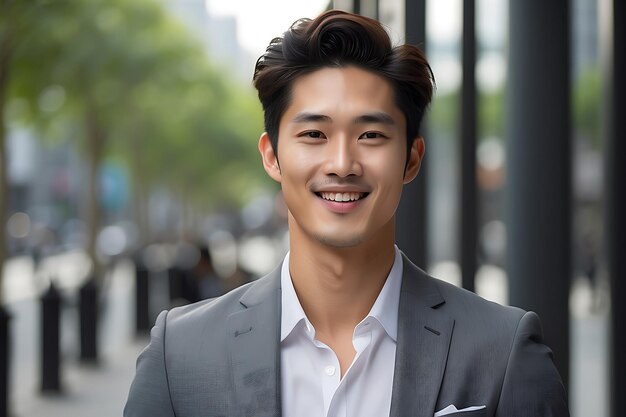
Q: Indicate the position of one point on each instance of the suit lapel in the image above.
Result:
(424, 335)
(254, 349)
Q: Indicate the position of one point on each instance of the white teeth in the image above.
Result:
(341, 196)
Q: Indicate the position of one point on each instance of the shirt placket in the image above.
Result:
(330, 374)
(338, 406)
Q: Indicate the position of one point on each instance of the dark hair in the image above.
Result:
(337, 39)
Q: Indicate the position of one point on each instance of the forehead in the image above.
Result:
(342, 92)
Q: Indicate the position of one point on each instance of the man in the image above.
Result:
(346, 326)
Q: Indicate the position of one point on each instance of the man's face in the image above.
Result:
(342, 150)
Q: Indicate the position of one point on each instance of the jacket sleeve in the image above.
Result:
(149, 393)
(532, 386)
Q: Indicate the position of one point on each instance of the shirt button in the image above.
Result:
(329, 370)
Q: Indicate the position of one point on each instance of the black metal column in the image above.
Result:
(616, 209)
(5, 355)
(538, 209)
(88, 311)
(50, 340)
(469, 204)
(142, 299)
(411, 227)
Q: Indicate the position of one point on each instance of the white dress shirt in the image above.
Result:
(310, 374)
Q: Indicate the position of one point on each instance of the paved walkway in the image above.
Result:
(93, 391)
(88, 390)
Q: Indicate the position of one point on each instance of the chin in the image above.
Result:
(340, 241)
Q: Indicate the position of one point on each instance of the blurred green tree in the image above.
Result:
(587, 106)
(445, 113)
(123, 78)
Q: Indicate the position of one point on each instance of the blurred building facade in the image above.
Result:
(45, 185)
(218, 34)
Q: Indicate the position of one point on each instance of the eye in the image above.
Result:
(372, 135)
(313, 134)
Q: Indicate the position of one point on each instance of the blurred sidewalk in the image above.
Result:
(88, 390)
(94, 391)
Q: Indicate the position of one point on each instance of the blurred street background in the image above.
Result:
(130, 180)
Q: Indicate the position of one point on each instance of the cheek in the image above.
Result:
(389, 166)
(388, 172)
(390, 195)
(307, 157)
(298, 166)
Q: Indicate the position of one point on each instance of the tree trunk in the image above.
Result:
(5, 60)
(4, 193)
(140, 195)
(183, 207)
(95, 149)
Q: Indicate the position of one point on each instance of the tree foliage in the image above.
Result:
(587, 109)
(125, 80)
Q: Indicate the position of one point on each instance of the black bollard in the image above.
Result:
(5, 352)
(175, 277)
(50, 340)
(89, 321)
(142, 302)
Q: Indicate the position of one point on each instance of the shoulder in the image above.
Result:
(467, 309)
(201, 310)
(465, 305)
(212, 314)
(490, 326)
(484, 325)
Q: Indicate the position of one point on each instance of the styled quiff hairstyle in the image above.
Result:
(339, 39)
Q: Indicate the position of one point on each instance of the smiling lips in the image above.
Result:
(341, 197)
(341, 203)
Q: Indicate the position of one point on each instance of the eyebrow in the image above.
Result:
(306, 117)
(374, 117)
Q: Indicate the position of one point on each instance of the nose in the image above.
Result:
(342, 159)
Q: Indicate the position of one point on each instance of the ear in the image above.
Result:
(270, 161)
(415, 159)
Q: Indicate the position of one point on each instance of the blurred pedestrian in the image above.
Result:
(203, 279)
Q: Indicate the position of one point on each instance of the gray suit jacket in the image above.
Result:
(221, 357)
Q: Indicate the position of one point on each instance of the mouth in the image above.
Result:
(342, 197)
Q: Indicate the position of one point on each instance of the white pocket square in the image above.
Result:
(451, 409)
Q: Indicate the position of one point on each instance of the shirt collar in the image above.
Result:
(291, 309)
(385, 308)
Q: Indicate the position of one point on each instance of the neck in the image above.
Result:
(338, 286)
